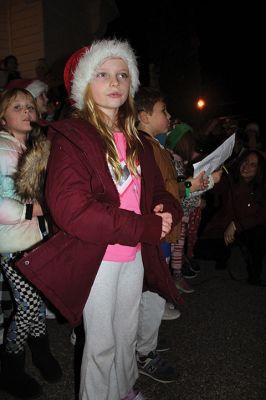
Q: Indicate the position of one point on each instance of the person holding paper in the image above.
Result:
(240, 218)
(181, 142)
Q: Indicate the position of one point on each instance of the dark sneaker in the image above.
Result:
(193, 264)
(187, 272)
(156, 368)
(182, 284)
(14, 380)
(162, 345)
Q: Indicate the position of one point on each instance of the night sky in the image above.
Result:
(231, 46)
(232, 49)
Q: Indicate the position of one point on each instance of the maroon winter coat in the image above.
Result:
(84, 203)
(238, 204)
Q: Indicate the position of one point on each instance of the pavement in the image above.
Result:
(218, 344)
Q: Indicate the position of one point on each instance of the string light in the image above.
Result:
(200, 104)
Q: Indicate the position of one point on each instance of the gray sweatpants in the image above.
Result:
(150, 317)
(111, 316)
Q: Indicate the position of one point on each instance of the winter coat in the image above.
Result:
(167, 169)
(84, 203)
(238, 203)
(16, 232)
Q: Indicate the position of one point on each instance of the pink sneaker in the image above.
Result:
(132, 395)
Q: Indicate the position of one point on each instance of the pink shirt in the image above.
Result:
(129, 188)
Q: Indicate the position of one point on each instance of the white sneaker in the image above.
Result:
(170, 312)
(73, 337)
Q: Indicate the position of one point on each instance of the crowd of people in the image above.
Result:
(101, 217)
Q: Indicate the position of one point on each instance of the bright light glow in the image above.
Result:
(201, 104)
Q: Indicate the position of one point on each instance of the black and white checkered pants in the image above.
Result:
(6, 305)
(29, 316)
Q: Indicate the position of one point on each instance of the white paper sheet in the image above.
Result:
(215, 160)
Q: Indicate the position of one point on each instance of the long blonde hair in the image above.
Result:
(126, 122)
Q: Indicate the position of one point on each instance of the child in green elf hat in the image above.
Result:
(181, 142)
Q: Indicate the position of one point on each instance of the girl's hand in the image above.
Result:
(158, 208)
(229, 233)
(216, 176)
(166, 223)
(167, 219)
(37, 210)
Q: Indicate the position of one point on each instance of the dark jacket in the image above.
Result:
(84, 203)
(238, 203)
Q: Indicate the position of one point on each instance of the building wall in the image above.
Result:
(50, 29)
(21, 32)
(4, 36)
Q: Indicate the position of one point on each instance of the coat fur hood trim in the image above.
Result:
(30, 176)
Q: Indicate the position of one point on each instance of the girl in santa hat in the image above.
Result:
(106, 196)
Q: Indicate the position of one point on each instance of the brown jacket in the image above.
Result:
(168, 171)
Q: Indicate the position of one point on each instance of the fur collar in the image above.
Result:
(30, 176)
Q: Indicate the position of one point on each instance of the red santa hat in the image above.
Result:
(34, 86)
(81, 66)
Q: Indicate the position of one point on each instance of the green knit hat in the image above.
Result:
(176, 134)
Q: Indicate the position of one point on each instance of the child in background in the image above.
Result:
(37, 89)
(153, 118)
(9, 69)
(182, 144)
(240, 217)
(22, 225)
(106, 195)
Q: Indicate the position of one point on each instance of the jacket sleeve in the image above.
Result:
(160, 194)
(170, 204)
(11, 211)
(79, 207)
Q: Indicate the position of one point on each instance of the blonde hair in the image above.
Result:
(126, 122)
(6, 99)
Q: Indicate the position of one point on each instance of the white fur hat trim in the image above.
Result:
(95, 56)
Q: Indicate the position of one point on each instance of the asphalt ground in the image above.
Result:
(218, 344)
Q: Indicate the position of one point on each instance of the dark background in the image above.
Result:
(209, 49)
